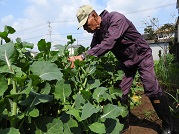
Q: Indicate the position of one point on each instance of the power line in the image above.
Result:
(34, 30)
(32, 27)
(152, 8)
(137, 11)
(50, 31)
(35, 37)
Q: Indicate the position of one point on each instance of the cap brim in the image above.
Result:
(83, 22)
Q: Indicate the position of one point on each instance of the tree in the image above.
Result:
(159, 34)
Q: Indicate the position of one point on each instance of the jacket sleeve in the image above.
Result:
(118, 24)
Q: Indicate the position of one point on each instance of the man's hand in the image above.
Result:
(73, 58)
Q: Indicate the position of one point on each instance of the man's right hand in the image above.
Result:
(73, 58)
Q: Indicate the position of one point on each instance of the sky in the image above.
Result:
(53, 20)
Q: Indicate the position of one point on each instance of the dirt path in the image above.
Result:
(143, 119)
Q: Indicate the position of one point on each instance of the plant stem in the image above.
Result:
(14, 106)
(15, 100)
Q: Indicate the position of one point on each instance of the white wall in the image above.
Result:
(155, 49)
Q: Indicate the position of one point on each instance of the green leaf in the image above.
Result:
(98, 94)
(69, 126)
(113, 111)
(28, 88)
(35, 98)
(46, 70)
(86, 94)
(115, 92)
(2, 105)
(79, 101)
(34, 112)
(4, 35)
(88, 110)
(43, 46)
(91, 69)
(6, 69)
(75, 113)
(98, 128)
(48, 125)
(62, 90)
(120, 74)
(92, 84)
(7, 54)
(17, 96)
(9, 131)
(27, 45)
(46, 89)
(69, 37)
(4, 85)
(60, 48)
(9, 29)
(113, 126)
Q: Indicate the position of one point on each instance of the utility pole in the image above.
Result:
(50, 30)
(1, 41)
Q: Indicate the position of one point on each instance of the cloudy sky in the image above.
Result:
(38, 19)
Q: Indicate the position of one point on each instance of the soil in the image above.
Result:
(144, 120)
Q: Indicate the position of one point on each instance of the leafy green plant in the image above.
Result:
(174, 106)
(167, 73)
(136, 91)
(44, 95)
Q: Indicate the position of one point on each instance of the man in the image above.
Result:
(114, 32)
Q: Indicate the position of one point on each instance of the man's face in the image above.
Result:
(91, 25)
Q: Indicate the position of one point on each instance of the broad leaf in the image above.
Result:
(34, 112)
(113, 111)
(35, 98)
(28, 88)
(9, 29)
(48, 125)
(98, 128)
(92, 84)
(3, 84)
(46, 70)
(62, 90)
(70, 125)
(75, 113)
(9, 131)
(91, 69)
(44, 46)
(113, 126)
(79, 101)
(7, 54)
(115, 92)
(88, 110)
(99, 93)
(86, 94)
(46, 89)
(2, 105)
(27, 45)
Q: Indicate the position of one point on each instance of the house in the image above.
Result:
(72, 49)
(160, 40)
(159, 46)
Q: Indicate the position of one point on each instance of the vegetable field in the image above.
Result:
(42, 94)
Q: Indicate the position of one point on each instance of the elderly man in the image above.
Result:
(112, 31)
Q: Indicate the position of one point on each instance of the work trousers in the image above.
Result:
(148, 78)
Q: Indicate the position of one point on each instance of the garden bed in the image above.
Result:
(144, 120)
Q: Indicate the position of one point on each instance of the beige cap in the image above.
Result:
(83, 13)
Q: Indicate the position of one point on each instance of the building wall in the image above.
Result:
(156, 48)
